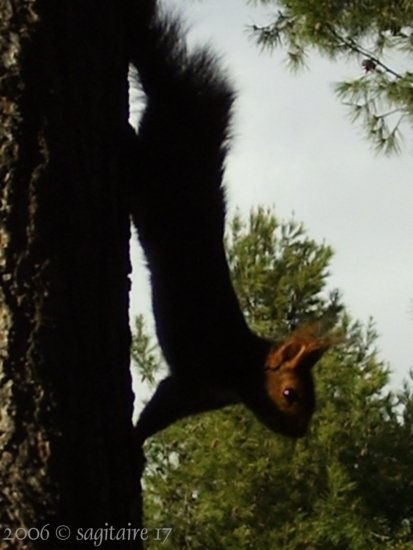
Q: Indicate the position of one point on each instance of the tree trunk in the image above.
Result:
(67, 455)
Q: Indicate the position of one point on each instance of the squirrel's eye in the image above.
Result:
(290, 395)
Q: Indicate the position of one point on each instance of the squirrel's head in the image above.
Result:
(285, 399)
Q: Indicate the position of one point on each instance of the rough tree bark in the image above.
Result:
(67, 455)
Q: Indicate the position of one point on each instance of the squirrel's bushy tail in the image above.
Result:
(185, 126)
(170, 74)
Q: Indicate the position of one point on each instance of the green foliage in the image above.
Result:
(143, 352)
(223, 481)
(278, 273)
(371, 31)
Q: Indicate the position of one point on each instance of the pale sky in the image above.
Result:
(294, 148)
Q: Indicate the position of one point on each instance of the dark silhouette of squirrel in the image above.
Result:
(179, 211)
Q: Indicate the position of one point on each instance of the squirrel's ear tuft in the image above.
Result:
(290, 350)
(309, 355)
(284, 354)
(302, 350)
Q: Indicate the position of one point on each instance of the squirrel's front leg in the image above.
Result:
(174, 400)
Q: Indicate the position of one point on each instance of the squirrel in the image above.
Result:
(178, 208)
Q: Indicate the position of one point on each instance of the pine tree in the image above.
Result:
(377, 34)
